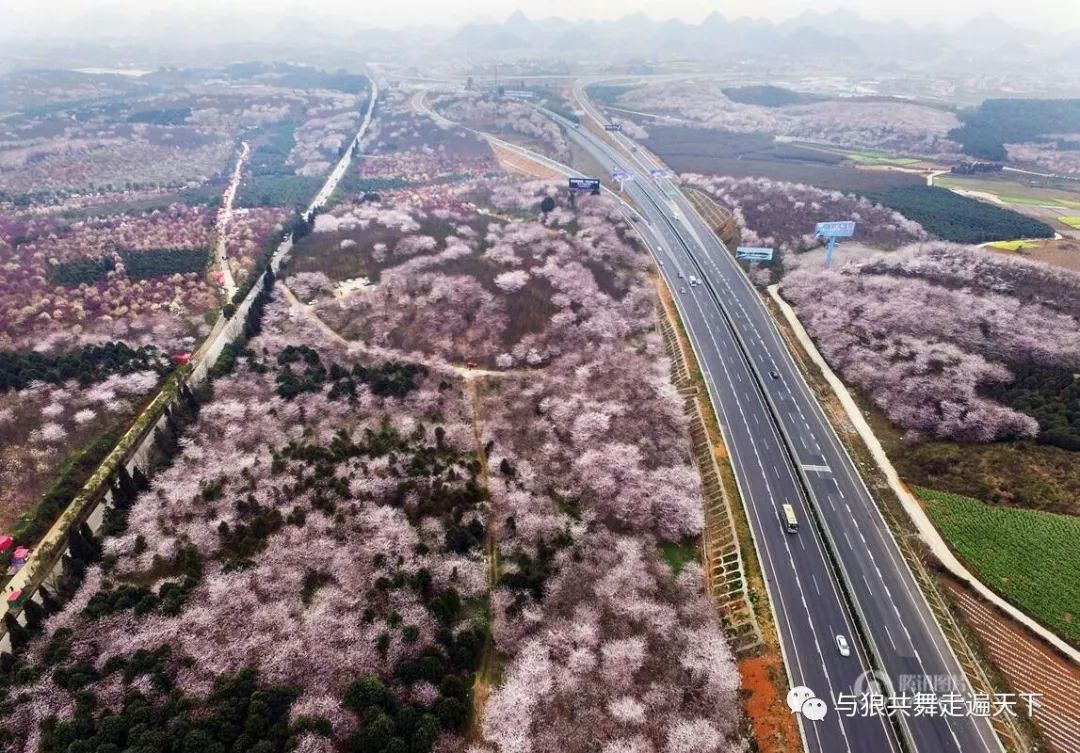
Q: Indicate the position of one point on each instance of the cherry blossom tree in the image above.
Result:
(900, 127)
(783, 215)
(608, 665)
(924, 329)
(316, 514)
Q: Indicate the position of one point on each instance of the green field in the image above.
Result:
(1014, 245)
(1011, 191)
(679, 555)
(870, 158)
(1028, 556)
(864, 156)
(1072, 221)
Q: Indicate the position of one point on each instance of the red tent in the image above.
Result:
(6, 542)
(14, 596)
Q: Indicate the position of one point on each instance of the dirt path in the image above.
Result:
(485, 673)
(223, 219)
(469, 372)
(465, 372)
(309, 312)
(46, 553)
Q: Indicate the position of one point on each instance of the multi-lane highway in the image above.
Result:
(808, 607)
(784, 451)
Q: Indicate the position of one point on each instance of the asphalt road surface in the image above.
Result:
(784, 451)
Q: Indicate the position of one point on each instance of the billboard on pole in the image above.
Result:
(831, 231)
(592, 185)
(844, 229)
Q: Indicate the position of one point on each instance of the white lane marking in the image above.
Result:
(737, 455)
(889, 634)
(933, 632)
(783, 605)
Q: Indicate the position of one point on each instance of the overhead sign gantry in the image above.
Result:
(754, 253)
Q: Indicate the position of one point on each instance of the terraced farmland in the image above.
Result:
(1028, 666)
(1028, 556)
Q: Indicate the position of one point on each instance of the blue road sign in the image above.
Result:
(591, 185)
(844, 229)
(754, 253)
(613, 127)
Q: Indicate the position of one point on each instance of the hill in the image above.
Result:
(997, 122)
(767, 96)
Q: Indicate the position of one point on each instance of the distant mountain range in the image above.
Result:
(838, 34)
(169, 35)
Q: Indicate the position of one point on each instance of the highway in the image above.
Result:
(784, 451)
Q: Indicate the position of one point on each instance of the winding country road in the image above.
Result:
(224, 217)
(224, 331)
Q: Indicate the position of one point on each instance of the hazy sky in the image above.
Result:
(1029, 13)
(1050, 15)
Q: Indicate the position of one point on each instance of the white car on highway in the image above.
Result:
(842, 646)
